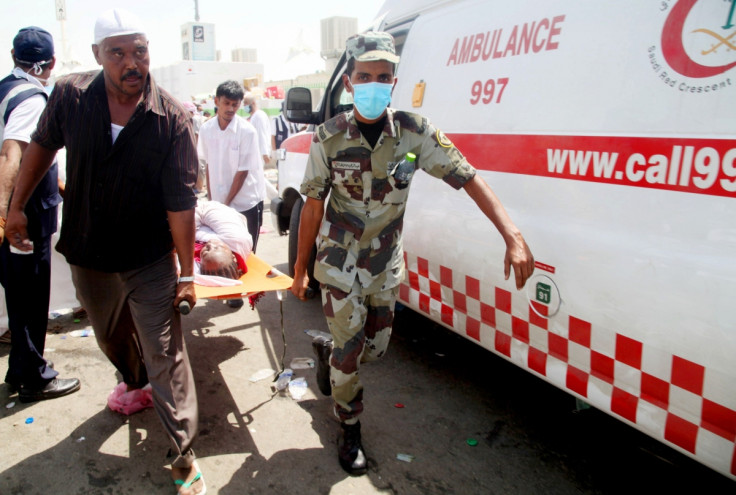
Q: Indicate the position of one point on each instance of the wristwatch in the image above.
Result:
(186, 279)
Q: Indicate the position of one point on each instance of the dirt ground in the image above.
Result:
(530, 439)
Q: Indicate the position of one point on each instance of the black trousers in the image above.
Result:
(254, 216)
(27, 282)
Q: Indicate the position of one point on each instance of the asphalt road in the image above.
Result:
(530, 437)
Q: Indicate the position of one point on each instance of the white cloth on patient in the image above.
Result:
(213, 219)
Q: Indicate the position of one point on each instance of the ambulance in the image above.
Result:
(608, 131)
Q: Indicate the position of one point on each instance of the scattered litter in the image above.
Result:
(80, 439)
(127, 401)
(581, 405)
(63, 337)
(261, 374)
(405, 457)
(439, 354)
(298, 387)
(10, 405)
(79, 312)
(317, 333)
(302, 363)
(284, 379)
(77, 320)
(59, 312)
(49, 349)
(85, 332)
(29, 420)
(472, 442)
(399, 405)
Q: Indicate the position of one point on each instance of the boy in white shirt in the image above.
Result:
(229, 146)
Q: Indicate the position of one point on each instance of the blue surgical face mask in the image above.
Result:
(371, 99)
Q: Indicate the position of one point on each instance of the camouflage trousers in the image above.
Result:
(361, 329)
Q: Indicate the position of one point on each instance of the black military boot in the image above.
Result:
(323, 349)
(350, 450)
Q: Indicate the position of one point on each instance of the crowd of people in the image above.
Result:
(121, 130)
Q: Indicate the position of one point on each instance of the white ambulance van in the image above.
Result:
(608, 130)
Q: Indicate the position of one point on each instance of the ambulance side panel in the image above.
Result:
(608, 132)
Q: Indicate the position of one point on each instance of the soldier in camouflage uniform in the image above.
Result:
(360, 263)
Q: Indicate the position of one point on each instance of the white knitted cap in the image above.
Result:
(117, 22)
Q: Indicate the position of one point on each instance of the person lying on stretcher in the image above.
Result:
(222, 244)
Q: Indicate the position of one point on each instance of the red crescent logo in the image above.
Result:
(673, 49)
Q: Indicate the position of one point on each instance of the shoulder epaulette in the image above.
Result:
(411, 122)
(336, 125)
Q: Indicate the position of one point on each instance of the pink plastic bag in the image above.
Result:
(131, 402)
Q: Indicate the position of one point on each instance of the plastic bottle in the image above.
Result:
(404, 171)
(86, 332)
(317, 333)
(284, 379)
(261, 374)
(298, 387)
(301, 363)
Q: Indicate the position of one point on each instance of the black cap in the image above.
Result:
(33, 44)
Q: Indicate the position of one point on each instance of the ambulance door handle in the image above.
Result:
(417, 97)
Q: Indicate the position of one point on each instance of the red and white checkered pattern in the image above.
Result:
(682, 403)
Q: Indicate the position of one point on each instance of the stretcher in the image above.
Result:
(260, 278)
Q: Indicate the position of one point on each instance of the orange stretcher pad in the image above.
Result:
(261, 277)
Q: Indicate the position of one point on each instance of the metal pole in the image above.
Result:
(64, 49)
(60, 8)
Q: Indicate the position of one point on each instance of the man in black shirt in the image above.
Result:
(131, 169)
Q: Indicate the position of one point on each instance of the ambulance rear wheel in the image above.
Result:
(296, 214)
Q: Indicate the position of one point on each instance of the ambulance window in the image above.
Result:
(340, 100)
(400, 38)
(345, 98)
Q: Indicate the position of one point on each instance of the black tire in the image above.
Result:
(296, 215)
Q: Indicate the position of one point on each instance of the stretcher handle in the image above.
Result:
(184, 307)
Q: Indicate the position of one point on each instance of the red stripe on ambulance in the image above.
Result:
(700, 166)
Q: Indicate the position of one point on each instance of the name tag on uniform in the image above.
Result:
(346, 165)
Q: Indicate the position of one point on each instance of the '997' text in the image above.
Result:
(484, 92)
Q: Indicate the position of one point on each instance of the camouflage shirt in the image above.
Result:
(360, 235)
